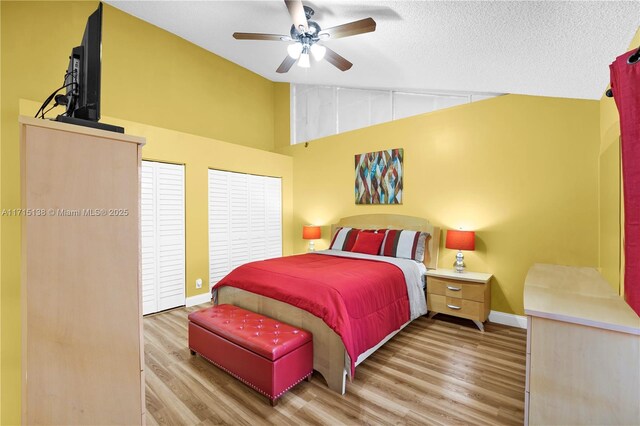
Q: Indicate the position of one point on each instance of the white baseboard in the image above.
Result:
(198, 299)
(508, 319)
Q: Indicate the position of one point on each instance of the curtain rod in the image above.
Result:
(631, 60)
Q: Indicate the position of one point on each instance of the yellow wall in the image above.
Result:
(1, 118)
(609, 193)
(148, 76)
(522, 171)
(611, 203)
(181, 86)
(282, 114)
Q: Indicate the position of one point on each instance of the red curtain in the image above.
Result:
(625, 83)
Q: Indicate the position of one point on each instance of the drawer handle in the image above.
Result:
(453, 307)
(452, 288)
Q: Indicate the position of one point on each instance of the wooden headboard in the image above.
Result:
(394, 221)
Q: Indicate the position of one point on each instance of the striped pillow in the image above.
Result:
(404, 243)
(344, 239)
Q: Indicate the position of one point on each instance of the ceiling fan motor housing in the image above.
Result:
(311, 33)
(309, 37)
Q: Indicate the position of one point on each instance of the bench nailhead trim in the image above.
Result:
(251, 384)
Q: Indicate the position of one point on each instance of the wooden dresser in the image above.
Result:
(461, 294)
(82, 349)
(583, 350)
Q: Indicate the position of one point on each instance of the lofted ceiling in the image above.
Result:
(545, 48)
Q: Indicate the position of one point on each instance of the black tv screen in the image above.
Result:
(82, 80)
(84, 71)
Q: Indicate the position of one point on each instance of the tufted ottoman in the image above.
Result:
(266, 354)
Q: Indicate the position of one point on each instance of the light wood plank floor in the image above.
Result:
(441, 371)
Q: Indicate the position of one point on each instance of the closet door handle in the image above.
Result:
(453, 307)
(452, 288)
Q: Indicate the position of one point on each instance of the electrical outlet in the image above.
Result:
(199, 283)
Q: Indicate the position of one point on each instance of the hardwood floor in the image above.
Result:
(439, 371)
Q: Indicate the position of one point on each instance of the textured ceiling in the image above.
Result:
(546, 48)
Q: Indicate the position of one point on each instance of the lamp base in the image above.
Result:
(459, 265)
(312, 246)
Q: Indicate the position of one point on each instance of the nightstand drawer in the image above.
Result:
(455, 306)
(456, 289)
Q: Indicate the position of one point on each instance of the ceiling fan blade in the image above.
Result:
(296, 10)
(286, 65)
(362, 26)
(258, 36)
(336, 60)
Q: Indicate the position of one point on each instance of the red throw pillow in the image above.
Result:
(368, 243)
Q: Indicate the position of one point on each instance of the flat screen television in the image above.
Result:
(82, 80)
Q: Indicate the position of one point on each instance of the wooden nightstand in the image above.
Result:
(464, 295)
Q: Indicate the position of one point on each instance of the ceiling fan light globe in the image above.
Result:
(304, 61)
(318, 51)
(294, 50)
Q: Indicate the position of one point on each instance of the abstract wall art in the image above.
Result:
(379, 177)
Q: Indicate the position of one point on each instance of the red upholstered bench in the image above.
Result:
(266, 354)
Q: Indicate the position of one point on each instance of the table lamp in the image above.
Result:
(460, 240)
(311, 232)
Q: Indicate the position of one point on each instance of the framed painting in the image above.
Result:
(379, 177)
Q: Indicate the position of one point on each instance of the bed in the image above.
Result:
(331, 358)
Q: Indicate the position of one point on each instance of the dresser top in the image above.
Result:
(577, 295)
(476, 277)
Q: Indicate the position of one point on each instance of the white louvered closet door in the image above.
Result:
(219, 225)
(163, 236)
(245, 220)
(273, 213)
(257, 218)
(239, 219)
(148, 235)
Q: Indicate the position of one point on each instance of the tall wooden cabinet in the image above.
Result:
(82, 347)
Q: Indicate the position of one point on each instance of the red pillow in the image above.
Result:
(368, 243)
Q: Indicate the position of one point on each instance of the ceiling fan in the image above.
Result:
(306, 35)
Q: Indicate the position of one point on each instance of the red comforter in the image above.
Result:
(361, 300)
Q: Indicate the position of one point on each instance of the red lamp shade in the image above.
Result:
(310, 232)
(461, 240)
